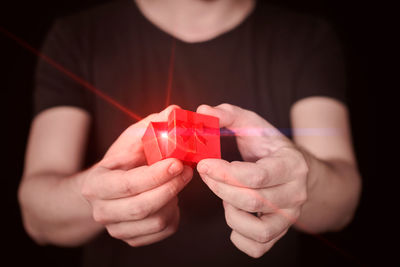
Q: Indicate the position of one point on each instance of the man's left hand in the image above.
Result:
(263, 195)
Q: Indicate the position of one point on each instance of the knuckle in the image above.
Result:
(254, 204)
(264, 236)
(174, 186)
(302, 168)
(173, 106)
(127, 186)
(116, 233)
(150, 117)
(156, 178)
(227, 106)
(259, 179)
(139, 211)
(295, 216)
(99, 216)
(229, 178)
(256, 251)
(300, 198)
(87, 192)
(225, 178)
(160, 223)
(228, 219)
(133, 243)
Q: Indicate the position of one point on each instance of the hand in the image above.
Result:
(136, 203)
(272, 183)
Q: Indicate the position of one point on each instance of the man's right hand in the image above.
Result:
(135, 202)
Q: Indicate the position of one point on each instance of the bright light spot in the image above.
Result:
(164, 135)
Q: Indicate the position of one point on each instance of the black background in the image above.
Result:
(30, 21)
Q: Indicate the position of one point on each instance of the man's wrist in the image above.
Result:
(312, 164)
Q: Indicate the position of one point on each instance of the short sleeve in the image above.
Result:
(61, 57)
(322, 70)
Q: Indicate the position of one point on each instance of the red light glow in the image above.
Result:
(135, 116)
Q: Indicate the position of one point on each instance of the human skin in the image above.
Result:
(318, 185)
(136, 203)
(281, 180)
(55, 151)
(196, 20)
(316, 191)
(132, 201)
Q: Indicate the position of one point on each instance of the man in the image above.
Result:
(276, 69)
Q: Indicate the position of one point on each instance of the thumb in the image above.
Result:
(127, 150)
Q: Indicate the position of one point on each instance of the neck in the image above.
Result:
(196, 20)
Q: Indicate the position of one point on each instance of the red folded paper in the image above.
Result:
(187, 136)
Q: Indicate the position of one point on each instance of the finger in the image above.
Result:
(155, 223)
(156, 237)
(261, 230)
(230, 116)
(128, 145)
(250, 247)
(142, 205)
(270, 171)
(107, 184)
(270, 200)
(241, 197)
(241, 121)
(255, 136)
(240, 174)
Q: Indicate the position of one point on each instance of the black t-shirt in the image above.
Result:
(272, 59)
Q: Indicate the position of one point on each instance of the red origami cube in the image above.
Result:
(187, 136)
(155, 141)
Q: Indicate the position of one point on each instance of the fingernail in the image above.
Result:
(174, 168)
(203, 168)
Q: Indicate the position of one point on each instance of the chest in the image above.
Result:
(144, 73)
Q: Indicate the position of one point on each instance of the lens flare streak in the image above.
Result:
(72, 75)
(224, 132)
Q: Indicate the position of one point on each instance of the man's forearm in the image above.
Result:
(53, 210)
(333, 193)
